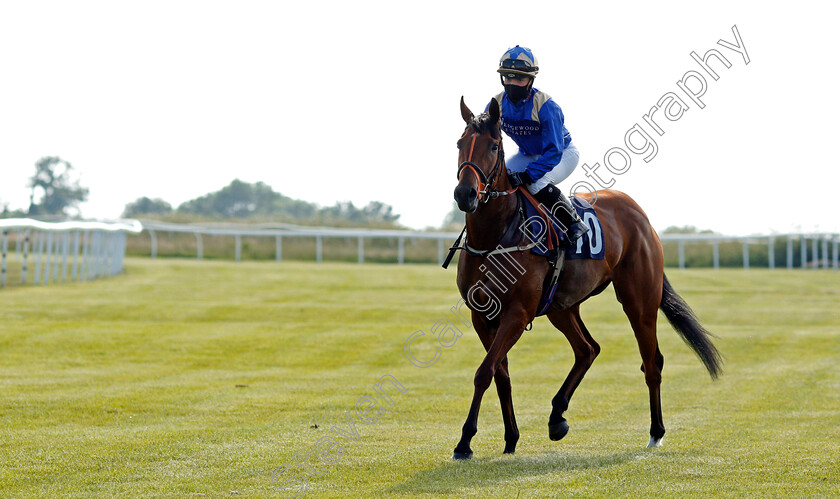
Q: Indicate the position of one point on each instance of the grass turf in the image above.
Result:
(188, 379)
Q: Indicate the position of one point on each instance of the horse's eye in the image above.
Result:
(495, 147)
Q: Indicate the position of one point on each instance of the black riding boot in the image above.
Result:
(560, 207)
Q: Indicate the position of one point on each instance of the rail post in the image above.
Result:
(3, 269)
(746, 254)
(789, 252)
(825, 252)
(278, 248)
(803, 252)
(199, 246)
(771, 253)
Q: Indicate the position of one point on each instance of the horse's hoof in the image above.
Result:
(557, 431)
(461, 455)
(654, 442)
(510, 449)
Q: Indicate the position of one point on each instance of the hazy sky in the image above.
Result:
(358, 101)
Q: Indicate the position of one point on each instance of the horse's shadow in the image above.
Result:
(478, 473)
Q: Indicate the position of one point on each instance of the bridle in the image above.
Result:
(486, 190)
(486, 183)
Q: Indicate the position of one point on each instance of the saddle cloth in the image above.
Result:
(591, 245)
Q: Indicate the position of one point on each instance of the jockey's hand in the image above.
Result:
(519, 178)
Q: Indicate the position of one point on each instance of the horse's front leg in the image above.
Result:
(509, 331)
(502, 379)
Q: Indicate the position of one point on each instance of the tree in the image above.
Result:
(242, 200)
(686, 229)
(374, 212)
(295, 208)
(7, 213)
(238, 200)
(377, 211)
(147, 206)
(59, 191)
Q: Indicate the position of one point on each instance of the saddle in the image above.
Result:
(531, 228)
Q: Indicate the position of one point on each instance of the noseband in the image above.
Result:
(485, 182)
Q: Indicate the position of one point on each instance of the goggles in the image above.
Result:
(517, 64)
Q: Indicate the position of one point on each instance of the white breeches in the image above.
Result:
(568, 163)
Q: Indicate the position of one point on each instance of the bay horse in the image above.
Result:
(633, 263)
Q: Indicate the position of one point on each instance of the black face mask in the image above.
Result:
(516, 93)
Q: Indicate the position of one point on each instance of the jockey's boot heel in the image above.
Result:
(559, 206)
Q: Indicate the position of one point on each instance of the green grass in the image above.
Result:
(199, 379)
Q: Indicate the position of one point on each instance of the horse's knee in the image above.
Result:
(596, 349)
(502, 378)
(483, 377)
(588, 355)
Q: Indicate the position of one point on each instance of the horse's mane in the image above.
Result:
(483, 124)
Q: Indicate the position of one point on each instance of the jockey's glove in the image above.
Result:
(519, 178)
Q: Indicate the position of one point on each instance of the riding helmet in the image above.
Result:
(517, 62)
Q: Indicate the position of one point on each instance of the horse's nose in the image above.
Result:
(467, 198)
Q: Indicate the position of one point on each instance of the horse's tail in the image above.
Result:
(685, 322)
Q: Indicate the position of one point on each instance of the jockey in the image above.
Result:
(534, 122)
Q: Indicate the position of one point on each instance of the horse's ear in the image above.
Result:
(495, 113)
(465, 112)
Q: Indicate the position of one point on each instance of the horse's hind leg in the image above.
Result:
(641, 307)
(586, 349)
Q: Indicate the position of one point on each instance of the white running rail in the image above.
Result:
(62, 251)
(817, 250)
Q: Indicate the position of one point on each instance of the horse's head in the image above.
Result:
(480, 156)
